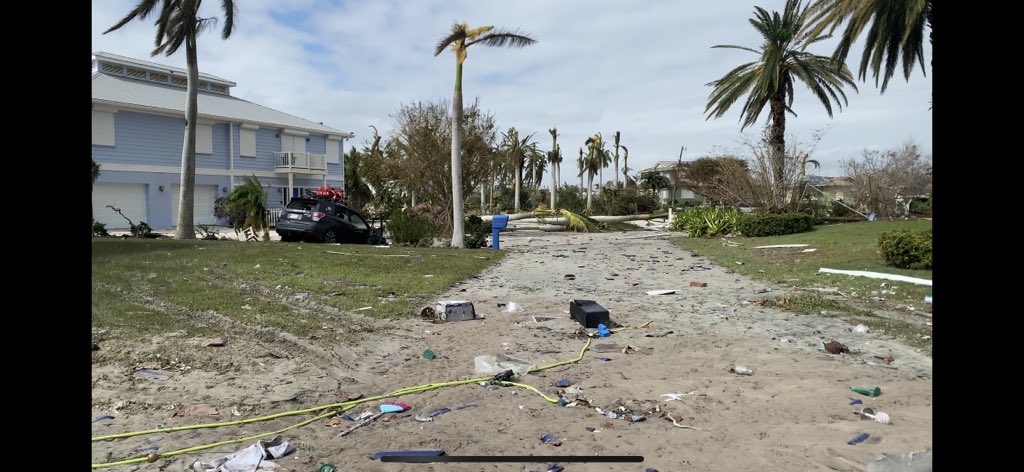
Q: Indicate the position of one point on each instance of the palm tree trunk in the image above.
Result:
(553, 181)
(494, 183)
(558, 180)
(186, 203)
(482, 198)
(616, 171)
(519, 183)
(590, 185)
(458, 230)
(777, 145)
(600, 176)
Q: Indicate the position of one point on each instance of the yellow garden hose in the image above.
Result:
(342, 406)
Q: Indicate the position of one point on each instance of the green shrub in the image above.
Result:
(921, 207)
(705, 222)
(572, 199)
(907, 249)
(411, 229)
(99, 229)
(626, 201)
(476, 232)
(770, 224)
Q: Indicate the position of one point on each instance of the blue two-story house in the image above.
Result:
(138, 130)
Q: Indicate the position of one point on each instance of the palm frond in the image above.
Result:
(458, 32)
(730, 46)
(230, 9)
(501, 38)
(141, 11)
(578, 222)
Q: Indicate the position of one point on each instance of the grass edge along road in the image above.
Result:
(851, 246)
(252, 282)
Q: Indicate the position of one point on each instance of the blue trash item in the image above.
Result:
(563, 383)
(498, 223)
(602, 331)
(105, 417)
(856, 401)
(377, 456)
(439, 412)
(391, 409)
(858, 439)
(604, 359)
(548, 438)
(555, 468)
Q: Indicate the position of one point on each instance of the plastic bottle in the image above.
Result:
(602, 331)
(871, 392)
(742, 370)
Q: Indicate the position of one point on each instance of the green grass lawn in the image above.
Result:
(850, 246)
(131, 277)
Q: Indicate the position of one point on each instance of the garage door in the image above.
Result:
(203, 205)
(129, 198)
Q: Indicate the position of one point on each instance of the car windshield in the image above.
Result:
(302, 204)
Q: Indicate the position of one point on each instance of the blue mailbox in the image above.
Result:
(498, 223)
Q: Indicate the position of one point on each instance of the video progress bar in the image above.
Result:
(429, 459)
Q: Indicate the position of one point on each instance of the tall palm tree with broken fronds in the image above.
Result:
(581, 163)
(625, 167)
(615, 140)
(554, 156)
(896, 32)
(178, 23)
(593, 163)
(769, 81)
(459, 40)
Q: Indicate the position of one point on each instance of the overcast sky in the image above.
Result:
(635, 66)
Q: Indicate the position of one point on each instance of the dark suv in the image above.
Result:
(324, 220)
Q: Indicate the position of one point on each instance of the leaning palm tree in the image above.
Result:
(769, 80)
(896, 32)
(617, 146)
(460, 39)
(625, 167)
(179, 23)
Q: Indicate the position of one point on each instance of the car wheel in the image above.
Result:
(287, 238)
(330, 236)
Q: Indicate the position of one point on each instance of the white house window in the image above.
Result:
(247, 136)
(332, 151)
(103, 128)
(204, 139)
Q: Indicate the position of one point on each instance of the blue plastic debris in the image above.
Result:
(106, 417)
(602, 331)
(391, 409)
(856, 401)
(604, 359)
(563, 383)
(555, 468)
(377, 456)
(150, 448)
(439, 412)
(150, 372)
(468, 405)
(858, 439)
(548, 438)
(347, 418)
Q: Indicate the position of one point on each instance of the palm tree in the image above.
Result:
(553, 158)
(594, 162)
(536, 165)
(179, 23)
(625, 168)
(517, 152)
(617, 146)
(896, 32)
(460, 39)
(581, 163)
(250, 200)
(769, 80)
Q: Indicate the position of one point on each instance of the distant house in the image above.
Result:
(138, 129)
(683, 194)
(831, 188)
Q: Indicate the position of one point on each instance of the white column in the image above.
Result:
(291, 183)
(231, 155)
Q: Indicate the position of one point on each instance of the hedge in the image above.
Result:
(770, 224)
(907, 249)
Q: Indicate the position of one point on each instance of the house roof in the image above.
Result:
(116, 59)
(660, 166)
(116, 90)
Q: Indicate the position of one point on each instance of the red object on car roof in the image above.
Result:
(330, 192)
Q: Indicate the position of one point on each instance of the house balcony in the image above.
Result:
(300, 162)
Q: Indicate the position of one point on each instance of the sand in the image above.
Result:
(793, 413)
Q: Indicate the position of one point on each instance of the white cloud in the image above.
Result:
(635, 66)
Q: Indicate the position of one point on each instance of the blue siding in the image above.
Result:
(317, 144)
(158, 205)
(219, 159)
(143, 139)
(267, 143)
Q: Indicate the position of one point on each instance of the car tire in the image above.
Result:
(287, 238)
(330, 236)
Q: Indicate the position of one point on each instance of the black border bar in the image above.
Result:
(552, 459)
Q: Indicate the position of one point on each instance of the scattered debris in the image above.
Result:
(877, 275)
(563, 383)
(920, 461)
(856, 401)
(541, 319)
(810, 250)
(569, 277)
(628, 349)
(698, 284)
(455, 310)
(741, 370)
(429, 354)
(661, 292)
(871, 392)
(513, 307)
(677, 422)
(763, 290)
(363, 308)
(588, 313)
(868, 413)
(661, 335)
(550, 439)
(928, 299)
(105, 417)
(858, 439)
(95, 347)
(216, 342)
(676, 396)
(860, 329)
(836, 347)
(364, 422)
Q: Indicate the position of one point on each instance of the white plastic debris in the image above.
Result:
(860, 329)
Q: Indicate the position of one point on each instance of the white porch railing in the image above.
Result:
(273, 214)
(300, 162)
